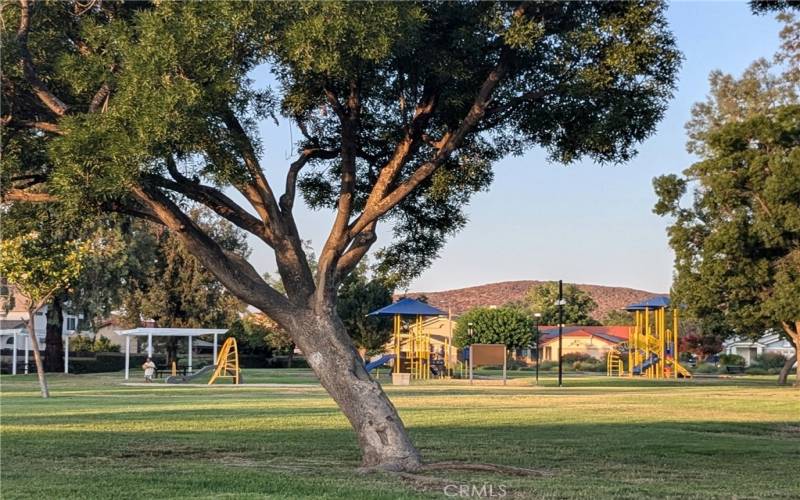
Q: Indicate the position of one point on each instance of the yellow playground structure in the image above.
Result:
(652, 347)
(412, 350)
(227, 365)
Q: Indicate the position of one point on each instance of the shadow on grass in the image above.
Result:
(691, 458)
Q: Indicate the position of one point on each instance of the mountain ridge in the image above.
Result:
(460, 300)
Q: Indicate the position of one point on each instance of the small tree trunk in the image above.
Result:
(37, 356)
(172, 351)
(330, 352)
(290, 357)
(783, 376)
(53, 343)
(794, 336)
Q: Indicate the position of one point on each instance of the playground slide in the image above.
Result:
(182, 379)
(638, 369)
(379, 362)
(683, 372)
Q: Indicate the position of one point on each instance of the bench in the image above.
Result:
(734, 369)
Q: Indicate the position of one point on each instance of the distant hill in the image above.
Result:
(461, 300)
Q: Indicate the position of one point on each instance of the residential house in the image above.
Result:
(751, 349)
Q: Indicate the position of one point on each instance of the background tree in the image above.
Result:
(93, 291)
(359, 295)
(175, 290)
(500, 325)
(737, 247)
(39, 269)
(402, 107)
(618, 317)
(701, 345)
(542, 299)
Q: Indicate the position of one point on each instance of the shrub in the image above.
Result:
(572, 357)
(706, 368)
(548, 365)
(755, 370)
(771, 360)
(590, 365)
(731, 360)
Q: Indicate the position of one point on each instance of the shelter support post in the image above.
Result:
(189, 368)
(27, 349)
(14, 356)
(214, 360)
(127, 357)
(66, 353)
(149, 345)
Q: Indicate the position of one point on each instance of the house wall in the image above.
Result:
(593, 346)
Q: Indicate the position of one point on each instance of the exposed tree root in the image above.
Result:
(466, 466)
(455, 466)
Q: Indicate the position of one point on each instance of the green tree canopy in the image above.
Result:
(501, 325)
(542, 299)
(143, 107)
(358, 296)
(737, 245)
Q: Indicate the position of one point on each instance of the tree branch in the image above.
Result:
(452, 140)
(359, 247)
(216, 201)
(14, 194)
(49, 99)
(100, 99)
(259, 192)
(9, 121)
(308, 154)
(238, 276)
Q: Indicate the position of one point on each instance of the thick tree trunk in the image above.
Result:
(330, 352)
(53, 343)
(37, 356)
(172, 351)
(783, 376)
(793, 332)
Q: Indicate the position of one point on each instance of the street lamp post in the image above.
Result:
(560, 303)
(536, 318)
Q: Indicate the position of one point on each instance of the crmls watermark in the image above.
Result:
(475, 490)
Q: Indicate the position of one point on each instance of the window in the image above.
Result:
(71, 323)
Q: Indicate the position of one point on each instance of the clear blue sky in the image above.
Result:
(583, 223)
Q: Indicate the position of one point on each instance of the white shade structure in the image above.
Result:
(189, 333)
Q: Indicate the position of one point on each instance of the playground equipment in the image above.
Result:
(652, 348)
(386, 358)
(411, 345)
(227, 363)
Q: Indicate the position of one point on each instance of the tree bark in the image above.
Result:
(383, 439)
(290, 357)
(53, 343)
(793, 332)
(37, 356)
(783, 376)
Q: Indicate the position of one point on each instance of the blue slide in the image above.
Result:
(638, 369)
(379, 362)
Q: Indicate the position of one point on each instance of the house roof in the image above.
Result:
(407, 307)
(170, 332)
(614, 334)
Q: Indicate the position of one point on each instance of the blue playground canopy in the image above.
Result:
(407, 307)
(660, 302)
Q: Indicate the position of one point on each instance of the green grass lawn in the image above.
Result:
(595, 438)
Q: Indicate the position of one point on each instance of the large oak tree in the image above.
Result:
(403, 108)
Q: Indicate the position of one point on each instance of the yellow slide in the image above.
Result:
(683, 372)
